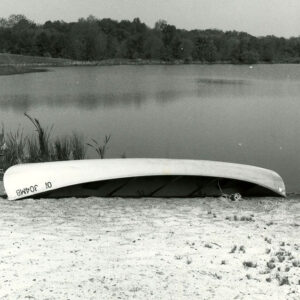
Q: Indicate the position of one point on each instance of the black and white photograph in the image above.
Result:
(150, 149)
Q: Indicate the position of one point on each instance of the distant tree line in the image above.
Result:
(97, 39)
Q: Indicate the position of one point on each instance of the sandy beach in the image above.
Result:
(114, 248)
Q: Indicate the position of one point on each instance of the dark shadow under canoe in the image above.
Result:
(162, 186)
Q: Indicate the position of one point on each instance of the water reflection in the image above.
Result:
(89, 101)
(16, 102)
(222, 81)
(24, 102)
(93, 100)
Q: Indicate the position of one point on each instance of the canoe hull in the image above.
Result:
(139, 177)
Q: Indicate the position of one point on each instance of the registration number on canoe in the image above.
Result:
(32, 189)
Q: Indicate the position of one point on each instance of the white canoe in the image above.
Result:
(139, 177)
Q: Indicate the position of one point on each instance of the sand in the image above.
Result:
(114, 248)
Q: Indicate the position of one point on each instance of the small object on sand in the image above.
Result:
(236, 197)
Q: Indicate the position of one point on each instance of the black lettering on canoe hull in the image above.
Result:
(32, 189)
(27, 190)
(48, 185)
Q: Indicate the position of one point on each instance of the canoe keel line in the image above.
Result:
(139, 178)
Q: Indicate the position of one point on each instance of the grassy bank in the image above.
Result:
(15, 59)
(18, 61)
(12, 70)
(11, 64)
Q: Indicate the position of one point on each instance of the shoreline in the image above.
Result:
(15, 70)
(150, 248)
(23, 68)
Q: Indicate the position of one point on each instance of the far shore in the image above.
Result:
(13, 68)
(20, 67)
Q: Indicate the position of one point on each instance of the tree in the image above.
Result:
(249, 57)
(112, 46)
(153, 47)
(205, 49)
(186, 48)
(95, 39)
(15, 19)
(100, 45)
(160, 25)
(168, 34)
(267, 51)
(43, 44)
(3, 23)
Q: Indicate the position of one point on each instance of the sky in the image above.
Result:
(257, 17)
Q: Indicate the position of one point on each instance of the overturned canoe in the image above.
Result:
(139, 177)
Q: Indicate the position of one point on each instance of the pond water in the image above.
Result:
(220, 112)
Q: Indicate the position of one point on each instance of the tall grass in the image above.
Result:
(62, 149)
(100, 149)
(14, 152)
(17, 148)
(2, 148)
(2, 137)
(43, 138)
(33, 150)
(77, 146)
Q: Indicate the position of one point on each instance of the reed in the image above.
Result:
(16, 148)
(33, 150)
(2, 137)
(100, 149)
(43, 138)
(77, 146)
(2, 148)
(14, 151)
(62, 149)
